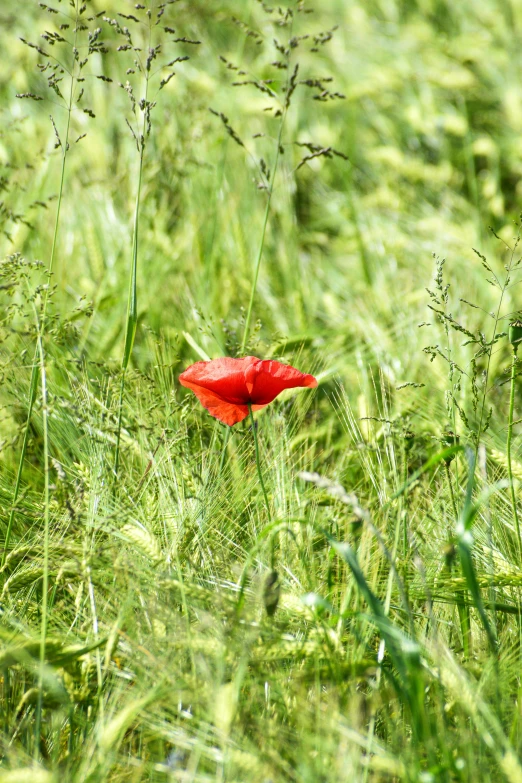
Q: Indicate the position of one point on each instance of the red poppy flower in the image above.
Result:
(225, 387)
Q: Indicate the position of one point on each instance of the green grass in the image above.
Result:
(135, 644)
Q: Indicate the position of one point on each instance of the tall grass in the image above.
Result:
(144, 632)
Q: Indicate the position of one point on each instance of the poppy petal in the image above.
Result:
(227, 412)
(224, 376)
(226, 386)
(271, 378)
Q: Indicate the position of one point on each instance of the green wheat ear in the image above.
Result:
(271, 592)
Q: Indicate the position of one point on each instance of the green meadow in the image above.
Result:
(333, 593)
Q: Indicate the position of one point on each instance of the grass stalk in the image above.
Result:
(38, 367)
(132, 300)
(257, 266)
(132, 316)
(259, 257)
(224, 451)
(452, 493)
(40, 355)
(403, 513)
(503, 288)
(508, 449)
(33, 385)
(45, 579)
(460, 595)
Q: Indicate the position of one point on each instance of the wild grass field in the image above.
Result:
(328, 184)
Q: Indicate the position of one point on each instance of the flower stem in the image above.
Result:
(258, 463)
(508, 449)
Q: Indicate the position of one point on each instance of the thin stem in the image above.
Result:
(387, 603)
(403, 512)
(267, 210)
(40, 351)
(32, 394)
(404, 480)
(132, 302)
(263, 234)
(34, 372)
(258, 463)
(132, 317)
(224, 452)
(260, 253)
(508, 449)
(490, 352)
(452, 494)
(45, 581)
(463, 610)
(257, 268)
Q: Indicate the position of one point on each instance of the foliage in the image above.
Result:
(280, 186)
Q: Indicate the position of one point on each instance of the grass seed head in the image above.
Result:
(448, 440)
